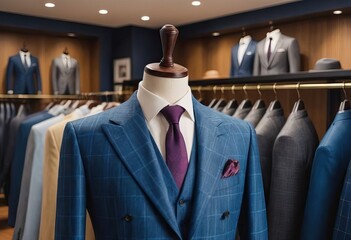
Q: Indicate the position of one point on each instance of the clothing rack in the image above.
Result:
(81, 96)
(275, 86)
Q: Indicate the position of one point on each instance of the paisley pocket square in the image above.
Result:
(231, 168)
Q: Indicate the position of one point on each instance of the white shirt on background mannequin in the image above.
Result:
(25, 55)
(243, 44)
(275, 35)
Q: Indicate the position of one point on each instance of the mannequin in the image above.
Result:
(284, 54)
(242, 57)
(65, 74)
(23, 74)
(116, 156)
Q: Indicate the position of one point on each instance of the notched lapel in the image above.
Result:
(131, 140)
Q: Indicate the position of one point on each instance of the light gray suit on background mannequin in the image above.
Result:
(285, 55)
(293, 154)
(65, 75)
(267, 130)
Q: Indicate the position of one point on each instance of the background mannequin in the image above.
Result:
(65, 74)
(23, 74)
(111, 164)
(242, 57)
(284, 58)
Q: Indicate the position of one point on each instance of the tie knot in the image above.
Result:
(172, 113)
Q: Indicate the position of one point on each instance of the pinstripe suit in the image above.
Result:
(293, 154)
(327, 176)
(109, 165)
(342, 229)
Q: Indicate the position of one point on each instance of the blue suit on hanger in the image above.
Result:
(21, 80)
(246, 66)
(109, 164)
(327, 177)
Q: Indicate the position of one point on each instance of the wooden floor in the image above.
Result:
(6, 232)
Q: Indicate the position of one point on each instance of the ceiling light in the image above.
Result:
(215, 34)
(196, 3)
(337, 12)
(145, 18)
(71, 34)
(49, 5)
(103, 11)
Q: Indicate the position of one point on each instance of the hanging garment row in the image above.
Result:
(303, 179)
(29, 180)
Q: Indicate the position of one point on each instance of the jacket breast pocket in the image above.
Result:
(229, 185)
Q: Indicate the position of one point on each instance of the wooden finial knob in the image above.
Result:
(167, 68)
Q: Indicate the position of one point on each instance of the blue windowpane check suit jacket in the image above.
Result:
(108, 165)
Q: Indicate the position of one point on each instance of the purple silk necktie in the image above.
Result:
(269, 52)
(176, 154)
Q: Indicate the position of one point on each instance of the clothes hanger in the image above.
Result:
(221, 103)
(259, 103)
(214, 100)
(232, 103)
(345, 104)
(200, 99)
(275, 104)
(246, 103)
(299, 104)
(243, 32)
(271, 26)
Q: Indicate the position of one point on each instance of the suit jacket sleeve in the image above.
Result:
(71, 193)
(37, 73)
(9, 72)
(257, 64)
(77, 79)
(54, 77)
(253, 218)
(294, 57)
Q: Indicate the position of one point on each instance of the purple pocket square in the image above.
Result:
(231, 168)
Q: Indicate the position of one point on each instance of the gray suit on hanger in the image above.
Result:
(285, 57)
(293, 153)
(65, 80)
(267, 130)
(255, 115)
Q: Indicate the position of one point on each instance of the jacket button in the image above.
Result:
(225, 215)
(128, 218)
(181, 202)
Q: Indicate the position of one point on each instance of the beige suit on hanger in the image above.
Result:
(50, 175)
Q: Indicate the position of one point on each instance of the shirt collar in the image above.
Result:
(245, 40)
(24, 53)
(151, 104)
(275, 34)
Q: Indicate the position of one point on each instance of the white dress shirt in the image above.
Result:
(157, 124)
(243, 44)
(25, 55)
(275, 35)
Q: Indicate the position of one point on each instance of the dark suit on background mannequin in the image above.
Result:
(65, 75)
(327, 178)
(285, 56)
(243, 66)
(342, 230)
(21, 79)
(293, 154)
(267, 130)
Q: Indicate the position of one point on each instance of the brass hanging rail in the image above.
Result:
(299, 86)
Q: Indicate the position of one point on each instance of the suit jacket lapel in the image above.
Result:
(235, 56)
(249, 48)
(129, 136)
(209, 161)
